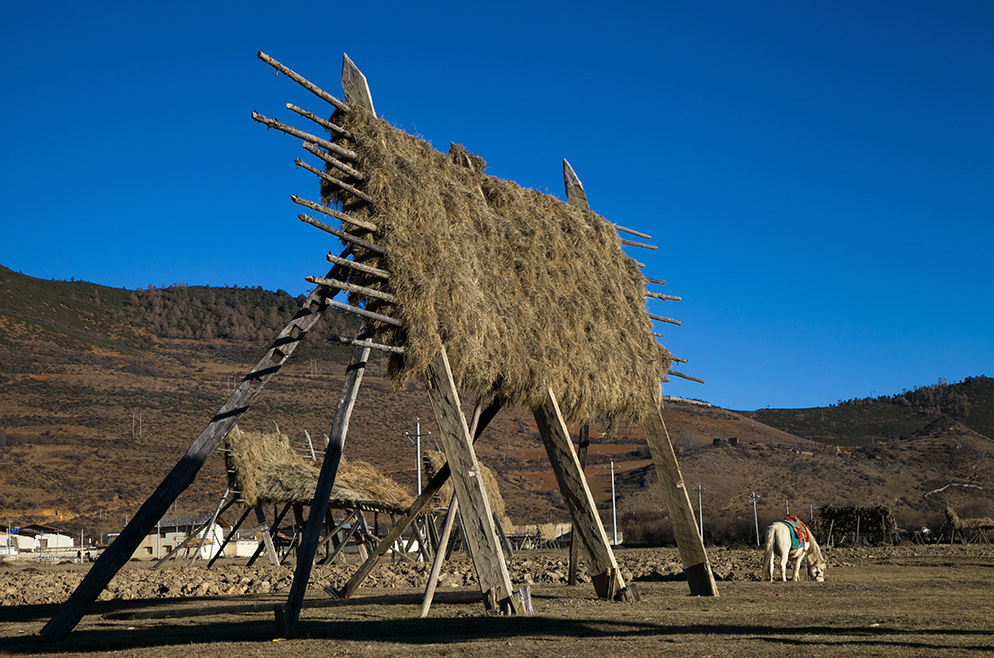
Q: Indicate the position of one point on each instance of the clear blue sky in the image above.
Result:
(819, 175)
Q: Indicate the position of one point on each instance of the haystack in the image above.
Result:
(436, 460)
(526, 292)
(266, 470)
(984, 523)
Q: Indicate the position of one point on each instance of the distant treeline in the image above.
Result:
(933, 399)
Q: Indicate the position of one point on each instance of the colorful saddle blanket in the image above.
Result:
(800, 536)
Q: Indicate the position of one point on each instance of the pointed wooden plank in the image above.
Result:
(575, 195)
(691, 546)
(491, 570)
(587, 525)
(267, 536)
(355, 86)
(185, 471)
(322, 492)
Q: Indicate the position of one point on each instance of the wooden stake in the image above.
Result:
(619, 227)
(350, 287)
(659, 295)
(641, 245)
(656, 281)
(663, 318)
(342, 340)
(331, 212)
(364, 313)
(328, 125)
(340, 184)
(303, 82)
(307, 137)
(355, 86)
(341, 235)
(362, 267)
(691, 546)
(687, 377)
(334, 162)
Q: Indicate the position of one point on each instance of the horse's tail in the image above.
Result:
(767, 571)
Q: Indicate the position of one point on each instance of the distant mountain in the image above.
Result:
(102, 390)
(864, 421)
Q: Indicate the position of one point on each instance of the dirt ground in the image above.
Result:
(880, 601)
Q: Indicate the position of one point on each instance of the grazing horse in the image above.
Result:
(789, 539)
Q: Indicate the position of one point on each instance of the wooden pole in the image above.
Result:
(306, 136)
(334, 162)
(340, 184)
(342, 235)
(350, 287)
(327, 125)
(689, 542)
(303, 82)
(363, 312)
(331, 212)
(342, 340)
(362, 267)
(287, 624)
(185, 471)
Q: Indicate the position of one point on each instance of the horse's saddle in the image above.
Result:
(800, 536)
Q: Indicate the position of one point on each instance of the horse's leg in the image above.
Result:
(783, 565)
(797, 567)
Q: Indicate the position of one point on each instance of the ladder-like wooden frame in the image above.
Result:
(481, 535)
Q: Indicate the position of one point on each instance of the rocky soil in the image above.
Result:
(25, 582)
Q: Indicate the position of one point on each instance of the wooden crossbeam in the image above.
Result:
(303, 82)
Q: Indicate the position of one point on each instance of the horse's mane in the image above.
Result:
(815, 550)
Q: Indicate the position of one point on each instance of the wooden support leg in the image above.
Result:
(692, 553)
(436, 566)
(230, 536)
(587, 524)
(574, 545)
(287, 622)
(267, 536)
(491, 570)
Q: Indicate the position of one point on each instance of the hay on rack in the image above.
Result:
(984, 523)
(435, 460)
(264, 469)
(526, 292)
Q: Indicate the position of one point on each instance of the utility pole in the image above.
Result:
(417, 441)
(788, 506)
(753, 497)
(614, 506)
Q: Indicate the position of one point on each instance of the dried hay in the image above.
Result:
(266, 469)
(984, 523)
(526, 292)
(436, 460)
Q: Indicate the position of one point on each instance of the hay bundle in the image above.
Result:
(266, 469)
(436, 459)
(850, 517)
(525, 291)
(985, 523)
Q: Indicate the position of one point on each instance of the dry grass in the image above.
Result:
(266, 469)
(494, 497)
(872, 604)
(525, 291)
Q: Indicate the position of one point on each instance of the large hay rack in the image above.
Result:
(472, 284)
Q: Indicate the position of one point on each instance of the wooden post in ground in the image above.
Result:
(267, 535)
(691, 546)
(287, 621)
(574, 545)
(587, 525)
(491, 570)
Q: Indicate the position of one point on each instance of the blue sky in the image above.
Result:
(819, 176)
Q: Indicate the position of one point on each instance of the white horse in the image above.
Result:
(778, 546)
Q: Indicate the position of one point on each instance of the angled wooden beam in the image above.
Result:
(185, 471)
(303, 82)
(491, 570)
(287, 622)
(691, 546)
(587, 525)
(574, 544)
(355, 86)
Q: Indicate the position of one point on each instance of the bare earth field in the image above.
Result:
(879, 601)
